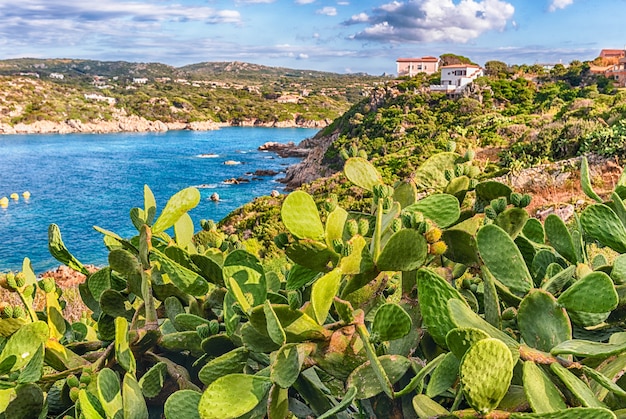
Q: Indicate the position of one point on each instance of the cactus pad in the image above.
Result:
(542, 394)
(434, 293)
(391, 322)
(504, 259)
(176, 206)
(361, 172)
(601, 223)
(287, 364)
(219, 401)
(442, 209)
(183, 404)
(406, 250)
(229, 363)
(594, 293)
(543, 324)
(301, 217)
(460, 339)
(364, 377)
(486, 371)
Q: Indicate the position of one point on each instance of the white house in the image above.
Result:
(454, 78)
(57, 76)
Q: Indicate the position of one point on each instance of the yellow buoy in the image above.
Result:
(26, 194)
(15, 196)
(4, 202)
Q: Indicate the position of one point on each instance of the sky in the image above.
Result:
(342, 36)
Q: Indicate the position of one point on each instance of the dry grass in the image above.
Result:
(68, 281)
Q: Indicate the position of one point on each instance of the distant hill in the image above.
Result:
(226, 92)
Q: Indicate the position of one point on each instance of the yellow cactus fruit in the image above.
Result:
(438, 248)
(433, 235)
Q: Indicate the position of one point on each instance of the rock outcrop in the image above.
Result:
(311, 167)
(133, 123)
(285, 150)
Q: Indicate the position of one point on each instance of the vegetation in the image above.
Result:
(233, 93)
(456, 303)
(411, 285)
(534, 115)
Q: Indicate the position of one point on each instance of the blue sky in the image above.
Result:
(330, 35)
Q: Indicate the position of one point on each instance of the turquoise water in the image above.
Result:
(81, 180)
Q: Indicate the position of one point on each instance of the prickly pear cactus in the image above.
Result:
(486, 371)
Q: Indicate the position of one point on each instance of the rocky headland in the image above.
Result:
(133, 123)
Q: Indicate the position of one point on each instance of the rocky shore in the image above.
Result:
(133, 123)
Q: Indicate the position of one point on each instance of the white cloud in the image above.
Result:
(360, 18)
(559, 4)
(328, 11)
(304, 1)
(302, 56)
(433, 20)
(343, 3)
(254, 1)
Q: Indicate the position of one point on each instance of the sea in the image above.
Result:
(79, 181)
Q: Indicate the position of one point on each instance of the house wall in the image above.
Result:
(459, 75)
(411, 68)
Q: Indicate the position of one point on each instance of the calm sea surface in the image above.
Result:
(81, 180)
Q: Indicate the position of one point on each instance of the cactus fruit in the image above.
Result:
(433, 235)
(437, 248)
(352, 227)
(47, 284)
(491, 213)
(363, 227)
(72, 380)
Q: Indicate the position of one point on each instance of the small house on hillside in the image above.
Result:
(617, 72)
(612, 53)
(412, 66)
(455, 78)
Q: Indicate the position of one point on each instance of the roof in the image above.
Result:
(422, 59)
(612, 52)
(461, 66)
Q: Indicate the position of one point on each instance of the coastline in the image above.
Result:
(135, 123)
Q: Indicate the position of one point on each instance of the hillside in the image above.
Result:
(230, 93)
(512, 120)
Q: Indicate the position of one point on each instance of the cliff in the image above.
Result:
(311, 167)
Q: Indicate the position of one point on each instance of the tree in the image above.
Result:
(496, 68)
(453, 59)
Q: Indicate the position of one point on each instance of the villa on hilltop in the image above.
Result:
(612, 64)
(412, 66)
(455, 78)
